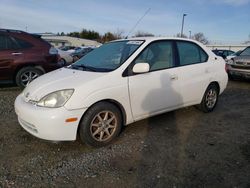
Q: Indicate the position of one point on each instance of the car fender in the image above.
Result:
(117, 93)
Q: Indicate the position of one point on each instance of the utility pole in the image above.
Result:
(190, 34)
(182, 25)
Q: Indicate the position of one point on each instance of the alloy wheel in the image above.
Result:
(28, 76)
(103, 126)
(211, 98)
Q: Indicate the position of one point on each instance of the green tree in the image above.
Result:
(108, 37)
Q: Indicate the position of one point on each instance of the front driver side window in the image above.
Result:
(159, 55)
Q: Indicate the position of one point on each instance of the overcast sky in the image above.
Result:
(222, 20)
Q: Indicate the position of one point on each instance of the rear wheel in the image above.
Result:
(25, 75)
(209, 99)
(101, 124)
(62, 62)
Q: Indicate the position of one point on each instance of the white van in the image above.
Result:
(119, 83)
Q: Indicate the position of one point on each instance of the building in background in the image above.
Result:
(58, 40)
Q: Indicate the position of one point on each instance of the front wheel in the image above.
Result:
(209, 99)
(101, 124)
(25, 75)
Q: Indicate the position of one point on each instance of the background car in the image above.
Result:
(233, 55)
(66, 48)
(79, 53)
(223, 53)
(65, 57)
(24, 57)
(239, 66)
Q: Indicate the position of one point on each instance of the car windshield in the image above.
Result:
(108, 57)
(246, 51)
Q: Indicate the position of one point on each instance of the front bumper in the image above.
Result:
(48, 123)
(242, 72)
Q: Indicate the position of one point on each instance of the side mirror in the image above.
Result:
(141, 68)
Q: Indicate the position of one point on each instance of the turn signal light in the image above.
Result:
(70, 120)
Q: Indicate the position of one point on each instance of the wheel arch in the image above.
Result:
(216, 84)
(19, 67)
(114, 102)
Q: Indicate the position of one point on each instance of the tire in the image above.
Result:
(62, 62)
(210, 99)
(26, 75)
(99, 120)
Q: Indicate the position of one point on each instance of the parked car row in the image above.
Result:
(223, 53)
(237, 63)
(79, 53)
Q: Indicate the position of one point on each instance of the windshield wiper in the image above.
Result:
(84, 67)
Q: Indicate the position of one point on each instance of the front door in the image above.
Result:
(158, 90)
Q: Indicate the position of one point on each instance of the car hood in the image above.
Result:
(60, 79)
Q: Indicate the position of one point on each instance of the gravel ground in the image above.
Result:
(184, 148)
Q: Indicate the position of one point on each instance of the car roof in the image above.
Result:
(151, 39)
(157, 38)
(11, 31)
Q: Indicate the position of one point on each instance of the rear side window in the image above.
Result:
(23, 43)
(6, 43)
(190, 53)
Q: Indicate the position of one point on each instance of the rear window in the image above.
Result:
(190, 53)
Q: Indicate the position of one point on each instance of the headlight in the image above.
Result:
(56, 99)
(230, 61)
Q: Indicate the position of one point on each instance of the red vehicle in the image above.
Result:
(24, 57)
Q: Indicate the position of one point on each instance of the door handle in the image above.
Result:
(17, 53)
(173, 77)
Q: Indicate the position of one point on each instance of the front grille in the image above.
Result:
(28, 126)
(241, 67)
(242, 63)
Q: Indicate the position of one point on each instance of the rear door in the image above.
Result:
(8, 55)
(194, 71)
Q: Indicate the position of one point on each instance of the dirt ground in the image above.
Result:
(184, 148)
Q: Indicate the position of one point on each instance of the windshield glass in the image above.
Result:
(246, 51)
(108, 57)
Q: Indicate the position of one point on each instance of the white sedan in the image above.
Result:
(119, 83)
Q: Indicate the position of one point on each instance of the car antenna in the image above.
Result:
(137, 23)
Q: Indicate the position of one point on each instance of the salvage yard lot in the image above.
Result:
(184, 148)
